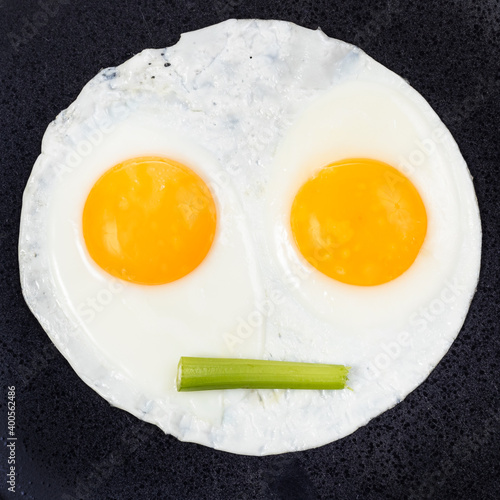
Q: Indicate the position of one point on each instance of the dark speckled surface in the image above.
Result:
(442, 442)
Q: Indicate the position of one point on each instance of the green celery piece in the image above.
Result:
(202, 374)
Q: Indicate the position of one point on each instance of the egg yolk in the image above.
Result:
(359, 221)
(149, 220)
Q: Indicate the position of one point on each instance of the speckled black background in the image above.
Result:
(441, 442)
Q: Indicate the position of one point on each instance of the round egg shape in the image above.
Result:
(255, 109)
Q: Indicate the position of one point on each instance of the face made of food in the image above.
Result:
(257, 191)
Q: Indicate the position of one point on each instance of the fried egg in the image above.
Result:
(257, 190)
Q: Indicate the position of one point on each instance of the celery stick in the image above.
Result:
(202, 374)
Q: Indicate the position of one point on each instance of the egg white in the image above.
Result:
(254, 107)
(368, 119)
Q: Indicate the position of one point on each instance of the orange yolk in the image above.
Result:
(359, 221)
(149, 220)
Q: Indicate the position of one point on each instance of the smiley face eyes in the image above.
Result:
(152, 220)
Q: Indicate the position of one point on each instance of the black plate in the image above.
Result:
(441, 442)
